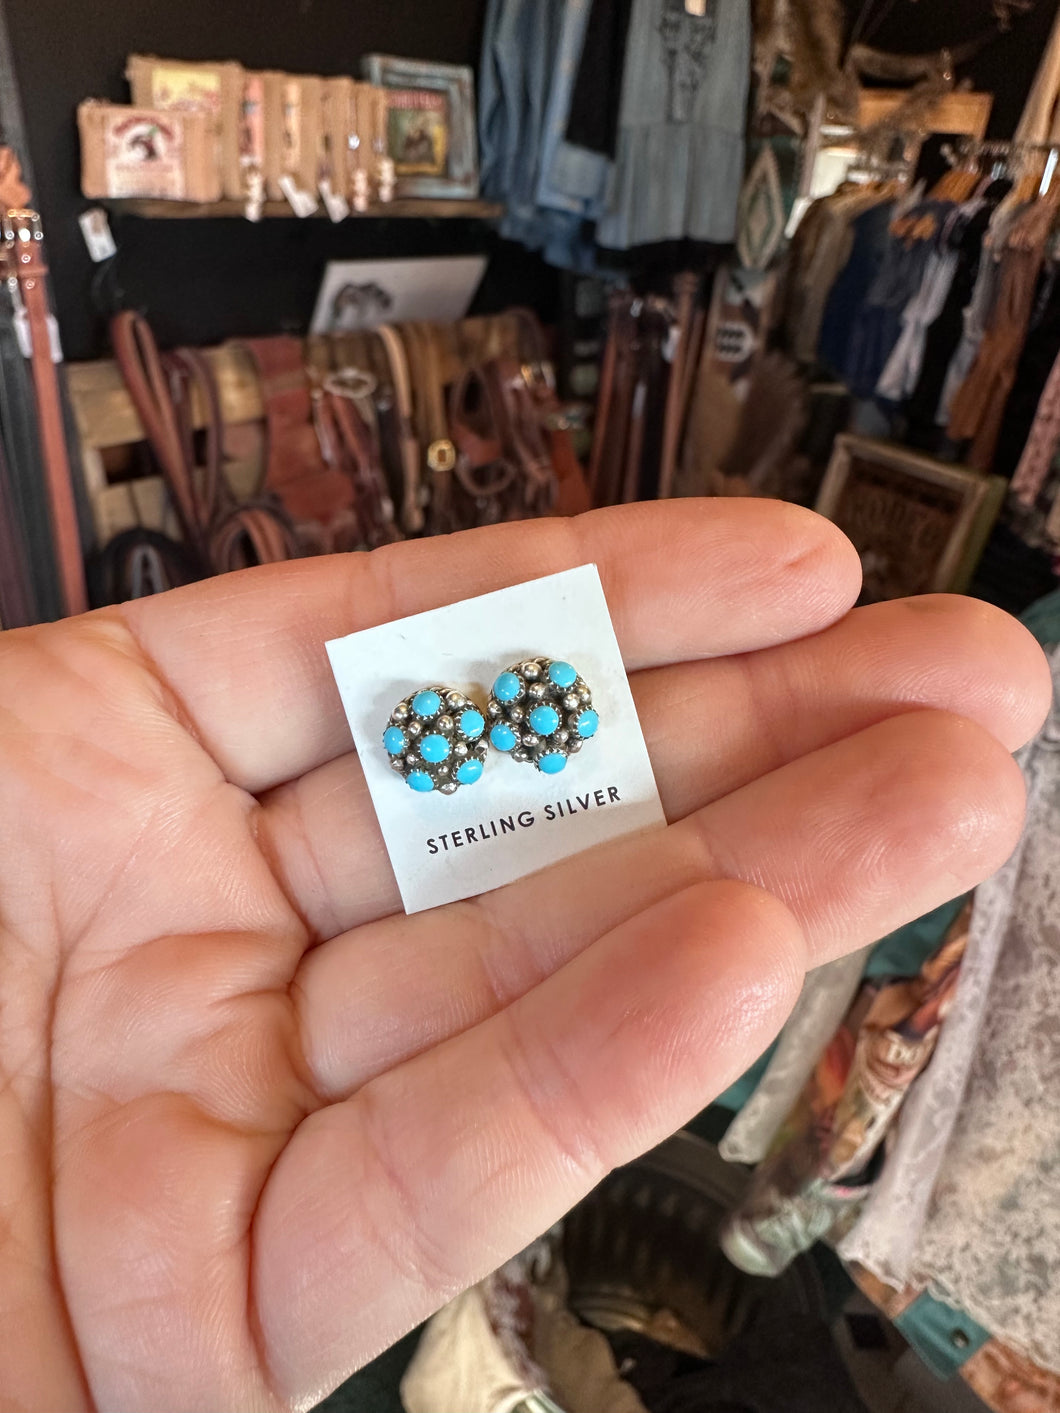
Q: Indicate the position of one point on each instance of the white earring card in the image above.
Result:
(516, 820)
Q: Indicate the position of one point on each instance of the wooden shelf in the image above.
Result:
(405, 209)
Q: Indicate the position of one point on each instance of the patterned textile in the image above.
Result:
(1042, 444)
(966, 1204)
(818, 1172)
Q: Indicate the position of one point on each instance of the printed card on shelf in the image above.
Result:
(515, 820)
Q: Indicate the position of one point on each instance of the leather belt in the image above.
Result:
(317, 497)
(428, 374)
(686, 287)
(349, 438)
(26, 264)
(224, 536)
(610, 467)
(412, 517)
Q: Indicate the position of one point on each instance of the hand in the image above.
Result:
(255, 1122)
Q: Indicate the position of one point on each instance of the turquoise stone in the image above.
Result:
(469, 772)
(507, 687)
(588, 724)
(553, 764)
(394, 740)
(544, 720)
(426, 704)
(421, 782)
(503, 738)
(472, 723)
(562, 674)
(434, 749)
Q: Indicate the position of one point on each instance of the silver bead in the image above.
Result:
(571, 702)
(516, 714)
(573, 719)
(445, 724)
(415, 728)
(531, 742)
(400, 714)
(531, 671)
(575, 746)
(561, 737)
(538, 690)
(449, 788)
(460, 749)
(414, 762)
(396, 763)
(495, 709)
(455, 702)
(584, 695)
(520, 754)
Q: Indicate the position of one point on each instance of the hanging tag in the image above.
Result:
(336, 205)
(301, 202)
(696, 7)
(25, 343)
(672, 343)
(254, 184)
(54, 339)
(96, 230)
(25, 338)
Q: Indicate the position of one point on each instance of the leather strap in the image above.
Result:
(138, 563)
(477, 418)
(347, 422)
(609, 467)
(428, 376)
(25, 261)
(686, 287)
(317, 497)
(223, 535)
(605, 397)
(412, 517)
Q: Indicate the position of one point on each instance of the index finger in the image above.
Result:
(244, 654)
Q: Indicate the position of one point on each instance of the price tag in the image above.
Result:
(302, 203)
(96, 230)
(25, 338)
(696, 7)
(336, 205)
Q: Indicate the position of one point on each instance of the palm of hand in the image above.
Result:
(256, 1123)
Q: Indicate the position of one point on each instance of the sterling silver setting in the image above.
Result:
(436, 741)
(541, 713)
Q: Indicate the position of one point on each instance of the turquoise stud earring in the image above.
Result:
(541, 713)
(436, 741)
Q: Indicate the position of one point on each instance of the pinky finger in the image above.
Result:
(386, 1205)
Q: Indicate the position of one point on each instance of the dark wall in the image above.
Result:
(200, 281)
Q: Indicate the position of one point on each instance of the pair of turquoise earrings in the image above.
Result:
(540, 713)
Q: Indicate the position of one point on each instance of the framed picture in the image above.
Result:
(919, 525)
(430, 126)
(362, 294)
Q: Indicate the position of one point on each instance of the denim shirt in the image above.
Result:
(551, 188)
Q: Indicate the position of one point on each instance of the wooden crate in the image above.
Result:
(107, 420)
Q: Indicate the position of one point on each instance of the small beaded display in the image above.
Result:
(436, 740)
(541, 713)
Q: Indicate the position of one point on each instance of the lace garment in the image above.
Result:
(969, 1199)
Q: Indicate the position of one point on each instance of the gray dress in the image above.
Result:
(679, 161)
